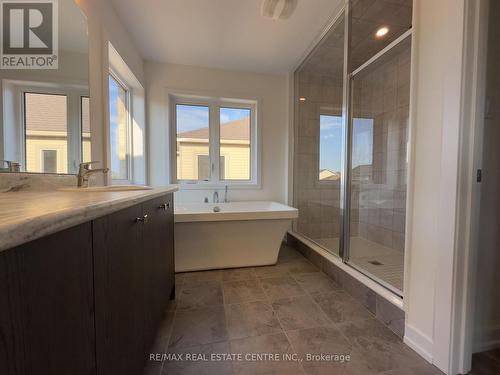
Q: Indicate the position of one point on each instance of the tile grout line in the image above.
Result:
(179, 293)
(335, 325)
(281, 325)
(225, 320)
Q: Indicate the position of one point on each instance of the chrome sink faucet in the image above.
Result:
(12, 166)
(84, 173)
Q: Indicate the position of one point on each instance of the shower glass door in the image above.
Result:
(379, 66)
(379, 136)
(318, 140)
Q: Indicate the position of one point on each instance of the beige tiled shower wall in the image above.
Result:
(378, 200)
(318, 202)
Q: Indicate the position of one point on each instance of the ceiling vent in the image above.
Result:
(278, 9)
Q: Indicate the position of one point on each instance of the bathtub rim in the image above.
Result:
(282, 212)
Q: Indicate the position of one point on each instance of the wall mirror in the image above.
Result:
(45, 113)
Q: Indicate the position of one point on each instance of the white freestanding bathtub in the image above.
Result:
(241, 234)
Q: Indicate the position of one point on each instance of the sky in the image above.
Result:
(191, 117)
(330, 149)
(330, 146)
(113, 125)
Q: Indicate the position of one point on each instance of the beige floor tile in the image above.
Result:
(198, 327)
(279, 287)
(242, 291)
(251, 319)
(201, 294)
(299, 313)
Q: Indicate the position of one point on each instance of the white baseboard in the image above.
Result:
(486, 339)
(419, 342)
(486, 346)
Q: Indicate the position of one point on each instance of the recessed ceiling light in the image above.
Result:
(302, 99)
(382, 31)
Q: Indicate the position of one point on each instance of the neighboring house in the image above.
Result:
(192, 152)
(47, 133)
(328, 175)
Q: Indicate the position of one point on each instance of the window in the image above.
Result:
(203, 167)
(362, 142)
(222, 163)
(85, 128)
(362, 149)
(49, 161)
(235, 143)
(47, 116)
(119, 130)
(46, 132)
(192, 124)
(214, 141)
(330, 147)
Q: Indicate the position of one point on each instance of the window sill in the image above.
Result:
(219, 186)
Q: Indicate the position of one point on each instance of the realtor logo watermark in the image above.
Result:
(29, 34)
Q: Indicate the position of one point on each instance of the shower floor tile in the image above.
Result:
(390, 268)
(366, 254)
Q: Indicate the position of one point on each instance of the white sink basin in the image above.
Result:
(106, 188)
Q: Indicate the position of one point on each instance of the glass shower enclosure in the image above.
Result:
(318, 148)
(351, 136)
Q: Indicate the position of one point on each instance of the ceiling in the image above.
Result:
(72, 27)
(227, 34)
(367, 17)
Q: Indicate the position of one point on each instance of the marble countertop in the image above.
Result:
(28, 215)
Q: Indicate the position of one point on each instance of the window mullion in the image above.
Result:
(130, 136)
(214, 143)
(72, 132)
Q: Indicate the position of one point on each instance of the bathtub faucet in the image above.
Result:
(215, 198)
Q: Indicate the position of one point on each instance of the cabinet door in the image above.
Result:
(119, 292)
(47, 305)
(158, 262)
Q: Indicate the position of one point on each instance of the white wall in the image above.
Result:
(273, 93)
(487, 308)
(436, 107)
(105, 27)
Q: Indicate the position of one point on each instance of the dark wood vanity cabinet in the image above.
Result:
(134, 276)
(88, 300)
(47, 305)
(159, 264)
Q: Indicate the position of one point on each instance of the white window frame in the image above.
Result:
(73, 94)
(80, 123)
(214, 103)
(128, 105)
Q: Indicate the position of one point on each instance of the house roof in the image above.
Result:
(234, 130)
(328, 174)
(49, 113)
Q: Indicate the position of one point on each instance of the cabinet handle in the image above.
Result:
(164, 206)
(143, 219)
